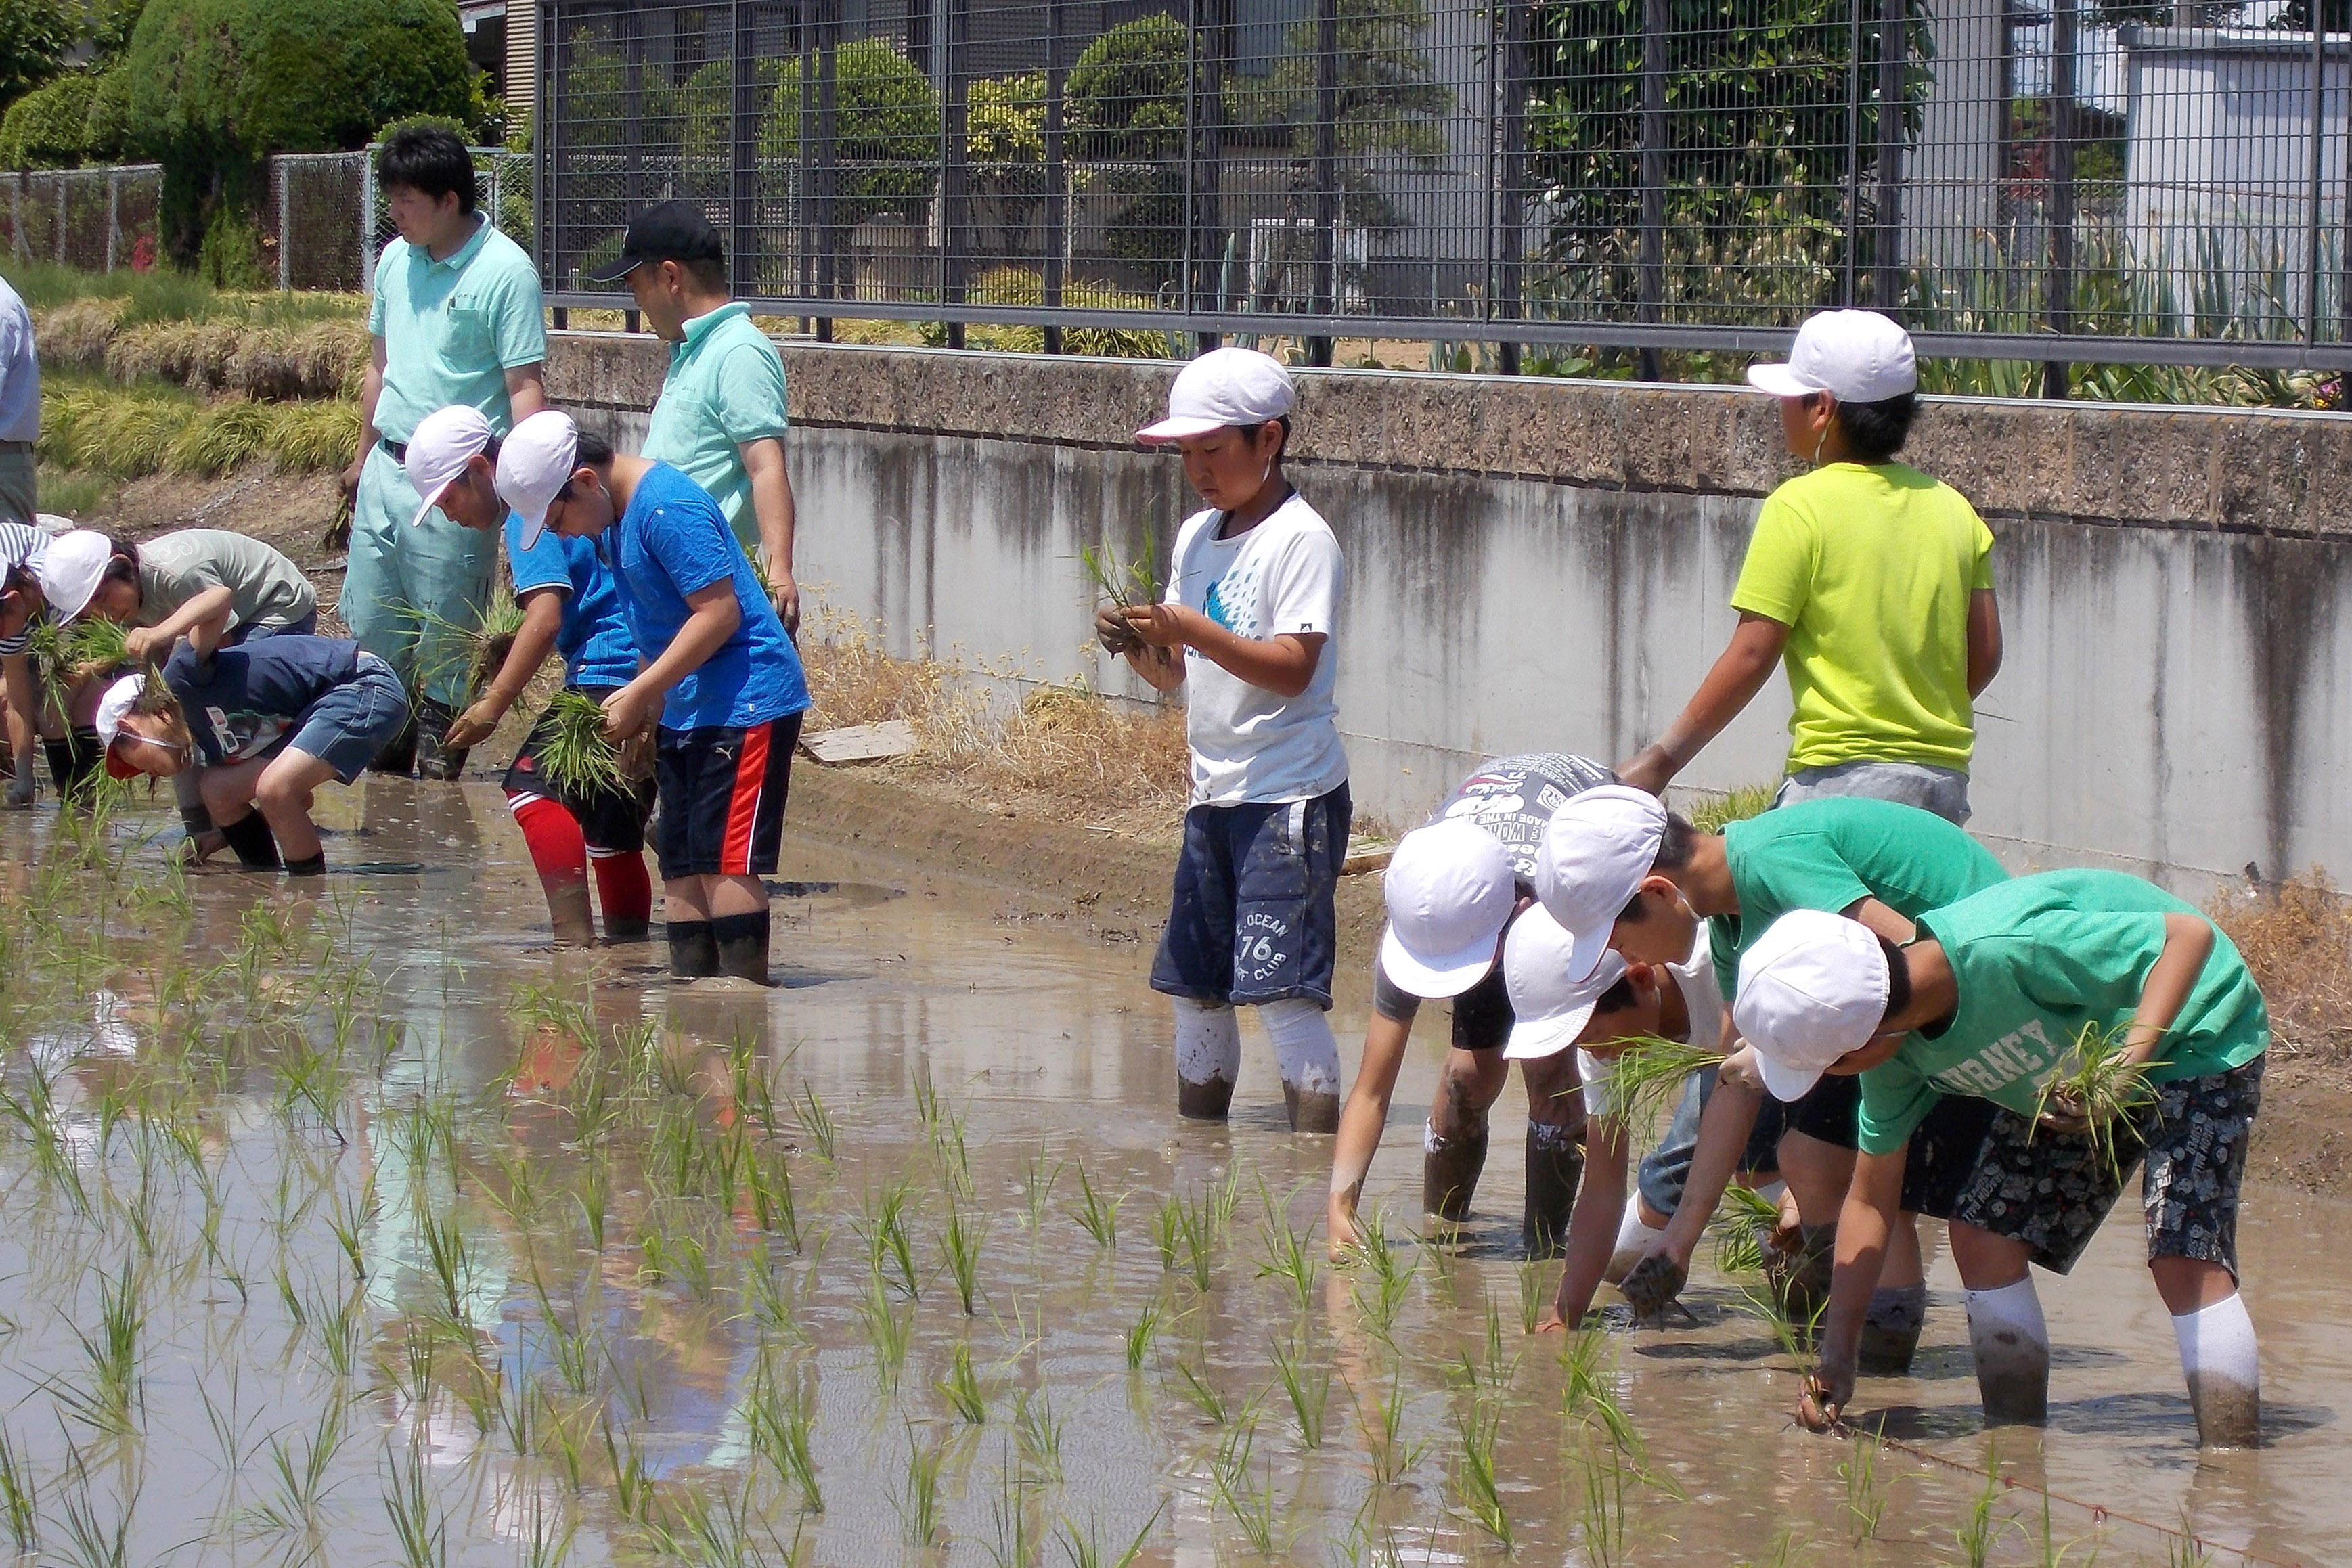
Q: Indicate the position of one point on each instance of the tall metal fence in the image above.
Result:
(1652, 174)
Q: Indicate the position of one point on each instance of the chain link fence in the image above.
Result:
(95, 219)
(2112, 180)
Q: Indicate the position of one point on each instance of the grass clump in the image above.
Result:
(1716, 811)
(2297, 940)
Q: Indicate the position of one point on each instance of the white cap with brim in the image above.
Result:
(1450, 890)
(445, 440)
(69, 567)
(1855, 356)
(1596, 850)
(1222, 388)
(536, 460)
(117, 702)
(1550, 1005)
(1812, 990)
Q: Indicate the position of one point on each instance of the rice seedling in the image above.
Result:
(110, 1401)
(2098, 1089)
(1086, 1551)
(815, 1124)
(1167, 1233)
(920, 1516)
(1195, 1386)
(1307, 1381)
(1038, 1176)
(1096, 1216)
(301, 1473)
(574, 753)
(1393, 1455)
(1248, 1499)
(1038, 1431)
(1647, 1076)
(778, 1420)
(1981, 1531)
(19, 1507)
(1290, 1255)
(961, 1243)
(1124, 583)
(961, 1387)
(1015, 1543)
(546, 1540)
(420, 1527)
(2183, 1550)
(1477, 1488)
(1588, 1394)
(1381, 1286)
(89, 1542)
(1749, 1220)
(1603, 1526)
(633, 1484)
(1145, 1329)
(889, 1245)
(1533, 1296)
(886, 1330)
(1866, 1487)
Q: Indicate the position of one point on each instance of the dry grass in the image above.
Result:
(321, 359)
(130, 433)
(2297, 940)
(1065, 752)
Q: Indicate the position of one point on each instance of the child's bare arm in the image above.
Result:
(1984, 641)
(1872, 1203)
(2188, 943)
(1591, 1224)
(1739, 673)
(1284, 665)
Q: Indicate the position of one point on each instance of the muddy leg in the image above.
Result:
(2013, 1353)
(1310, 1058)
(1455, 1147)
(1449, 1173)
(1800, 1279)
(1555, 1166)
(1891, 1331)
(1208, 1058)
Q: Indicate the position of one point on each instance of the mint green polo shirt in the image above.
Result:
(725, 387)
(2036, 959)
(452, 329)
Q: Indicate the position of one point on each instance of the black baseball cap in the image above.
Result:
(666, 231)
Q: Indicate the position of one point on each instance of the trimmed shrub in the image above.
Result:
(45, 129)
(106, 129)
(1126, 104)
(34, 37)
(887, 130)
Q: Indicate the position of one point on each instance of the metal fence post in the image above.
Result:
(2318, 176)
(1325, 296)
(1849, 292)
(114, 217)
(2058, 288)
(61, 219)
(1057, 190)
(954, 133)
(1513, 238)
(1206, 215)
(828, 280)
(804, 153)
(1650, 311)
(1893, 57)
(278, 174)
(743, 146)
(367, 222)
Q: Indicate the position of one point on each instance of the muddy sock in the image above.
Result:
(1310, 1058)
(743, 944)
(627, 891)
(2218, 1356)
(1891, 1329)
(72, 762)
(693, 951)
(250, 838)
(1633, 1239)
(2011, 1345)
(434, 760)
(1208, 1058)
(315, 866)
(1449, 1171)
(1554, 1165)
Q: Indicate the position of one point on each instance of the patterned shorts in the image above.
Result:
(2050, 1190)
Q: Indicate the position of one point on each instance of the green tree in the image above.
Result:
(1125, 104)
(1388, 99)
(34, 37)
(1005, 148)
(45, 129)
(885, 130)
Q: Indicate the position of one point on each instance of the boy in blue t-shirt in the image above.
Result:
(570, 606)
(719, 678)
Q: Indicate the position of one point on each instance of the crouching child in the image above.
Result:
(268, 722)
(2114, 1026)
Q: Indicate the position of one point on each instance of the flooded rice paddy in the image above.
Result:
(361, 1229)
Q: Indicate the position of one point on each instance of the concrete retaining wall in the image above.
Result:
(1546, 563)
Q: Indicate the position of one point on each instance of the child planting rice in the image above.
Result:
(2002, 993)
(578, 810)
(21, 603)
(1454, 888)
(717, 677)
(268, 722)
(1619, 871)
(1246, 629)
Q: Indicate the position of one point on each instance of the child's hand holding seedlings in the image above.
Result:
(631, 710)
(1112, 631)
(147, 644)
(1826, 1394)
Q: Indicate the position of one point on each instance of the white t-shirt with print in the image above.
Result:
(1695, 975)
(1283, 577)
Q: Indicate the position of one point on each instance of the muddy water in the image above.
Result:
(451, 1245)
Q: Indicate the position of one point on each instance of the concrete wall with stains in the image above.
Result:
(1546, 564)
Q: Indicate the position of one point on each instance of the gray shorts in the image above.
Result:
(17, 487)
(345, 728)
(1943, 790)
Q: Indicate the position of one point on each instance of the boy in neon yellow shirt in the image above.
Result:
(1870, 580)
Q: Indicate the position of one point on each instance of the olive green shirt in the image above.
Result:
(265, 588)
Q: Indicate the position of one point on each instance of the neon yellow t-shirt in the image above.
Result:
(1871, 567)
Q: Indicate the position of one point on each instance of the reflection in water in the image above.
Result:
(656, 1268)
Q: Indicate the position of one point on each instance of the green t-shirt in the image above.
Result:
(1871, 567)
(2036, 959)
(1830, 854)
(452, 329)
(265, 588)
(725, 387)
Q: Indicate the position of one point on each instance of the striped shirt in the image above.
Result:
(18, 544)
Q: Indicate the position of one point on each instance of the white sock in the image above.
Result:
(2219, 1341)
(1303, 1044)
(1633, 1239)
(1208, 1042)
(2013, 1310)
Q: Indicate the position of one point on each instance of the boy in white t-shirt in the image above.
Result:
(1245, 628)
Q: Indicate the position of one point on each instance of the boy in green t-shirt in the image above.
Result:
(1871, 581)
(1996, 998)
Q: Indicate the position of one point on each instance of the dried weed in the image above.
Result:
(2297, 940)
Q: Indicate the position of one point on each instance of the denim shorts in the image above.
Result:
(346, 727)
(1943, 790)
(1252, 918)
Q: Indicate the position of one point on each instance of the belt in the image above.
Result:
(15, 446)
(397, 450)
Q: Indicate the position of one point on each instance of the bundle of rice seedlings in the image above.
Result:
(575, 754)
(1124, 583)
(1647, 1076)
(1748, 1220)
(226, 436)
(64, 657)
(313, 437)
(479, 648)
(2097, 1083)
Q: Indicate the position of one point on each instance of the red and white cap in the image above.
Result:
(1450, 890)
(1811, 989)
(536, 460)
(438, 454)
(118, 701)
(1855, 356)
(1223, 387)
(1549, 1005)
(1596, 850)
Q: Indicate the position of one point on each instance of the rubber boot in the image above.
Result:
(2013, 1375)
(254, 845)
(435, 761)
(1891, 1331)
(73, 761)
(1800, 1279)
(693, 950)
(398, 758)
(743, 944)
(1450, 1168)
(1311, 1110)
(1555, 1166)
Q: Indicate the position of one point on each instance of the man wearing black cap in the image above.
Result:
(720, 416)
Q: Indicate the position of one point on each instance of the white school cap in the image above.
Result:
(1550, 1005)
(1855, 356)
(1812, 988)
(536, 460)
(67, 568)
(1596, 850)
(438, 452)
(1450, 890)
(118, 701)
(1223, 387)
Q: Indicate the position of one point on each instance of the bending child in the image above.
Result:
(1245, 628)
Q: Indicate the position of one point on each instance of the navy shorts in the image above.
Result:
(1252, 920)
(610, 820)
(346, 727)
(723, 798)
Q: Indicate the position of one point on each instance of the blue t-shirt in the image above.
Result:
(248, 701)
(594, 637)
(673, 541)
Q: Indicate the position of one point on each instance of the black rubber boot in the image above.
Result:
(693, 950)
(434, 760)
(1450, 1168)
(1891, 1331)
(1555, 1166)
(743, 944)
(315, 866)
(398, 758)
(617, 932)
(73, 763)
(256, 847)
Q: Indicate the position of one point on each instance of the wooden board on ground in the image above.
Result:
(861, 742)
(1367, 855)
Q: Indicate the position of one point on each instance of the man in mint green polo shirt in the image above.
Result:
(1998, 997)
(720, 416)
(455, 318)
